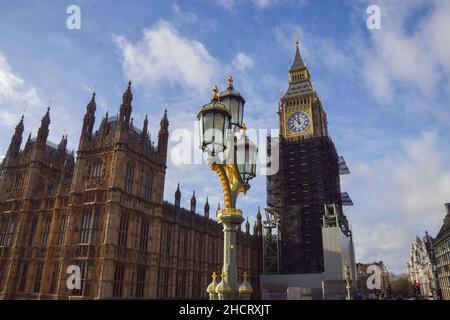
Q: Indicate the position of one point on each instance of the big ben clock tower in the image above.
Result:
(308, 175)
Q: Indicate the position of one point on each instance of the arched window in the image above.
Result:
(148, 186)
(6, 232)
(97, 170)
(16, 183)
(129, 176)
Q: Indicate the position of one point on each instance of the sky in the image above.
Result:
(386, 91)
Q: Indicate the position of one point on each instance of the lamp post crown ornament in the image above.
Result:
(230, 82)
(223, 286)
(213, 285)
(245, 288)
(215, 91)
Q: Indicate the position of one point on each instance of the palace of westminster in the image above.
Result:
(104, 211)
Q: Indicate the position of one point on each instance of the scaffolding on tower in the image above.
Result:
(271, 243)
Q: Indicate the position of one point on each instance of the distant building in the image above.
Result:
(421, 268)
(442, 251)
(364, 272)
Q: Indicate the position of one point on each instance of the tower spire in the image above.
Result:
(145, 128)
(43, 131)
(178, 196)
(163, 136)
(63, 144)
(206, 209)
(193, 202)
(16, 141)
(88, 121)
(164, 124)
(125, 107)
(298, 63)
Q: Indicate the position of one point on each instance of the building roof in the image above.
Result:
(299, 89)
(445, 227)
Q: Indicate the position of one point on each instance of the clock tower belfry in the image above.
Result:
(300, 109)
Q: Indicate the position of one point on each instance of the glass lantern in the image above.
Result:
(246, 154)
(214, 123)
(234, 103)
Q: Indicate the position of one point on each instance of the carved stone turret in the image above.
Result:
(88, 122)
(43, 131)
(125, 107)
(206, 209)
(178, 196)
(193, 203)
(14, 146)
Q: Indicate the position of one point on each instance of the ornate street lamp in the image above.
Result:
(220, 121)
(214, 119)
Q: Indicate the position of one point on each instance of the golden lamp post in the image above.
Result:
(233, 157)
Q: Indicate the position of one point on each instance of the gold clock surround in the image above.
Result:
(286, 112)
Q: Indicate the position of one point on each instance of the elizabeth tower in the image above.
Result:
(308, 175)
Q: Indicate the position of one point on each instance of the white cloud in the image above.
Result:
(183, 15)
(437, 30)
(242, 61)
(227, 4)
(15, 95)
(404, 195)
(165, 56)
(263, 3)
(404, 57)
(20, 97)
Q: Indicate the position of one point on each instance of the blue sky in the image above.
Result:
(386, 92)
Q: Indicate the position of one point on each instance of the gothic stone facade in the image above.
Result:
(103, 212)
(441, 245)
(421, 268)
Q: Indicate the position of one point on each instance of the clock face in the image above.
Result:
(298, 122)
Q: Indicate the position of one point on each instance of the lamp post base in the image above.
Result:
(231, 220)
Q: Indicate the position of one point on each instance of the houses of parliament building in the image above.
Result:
(103, 211)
